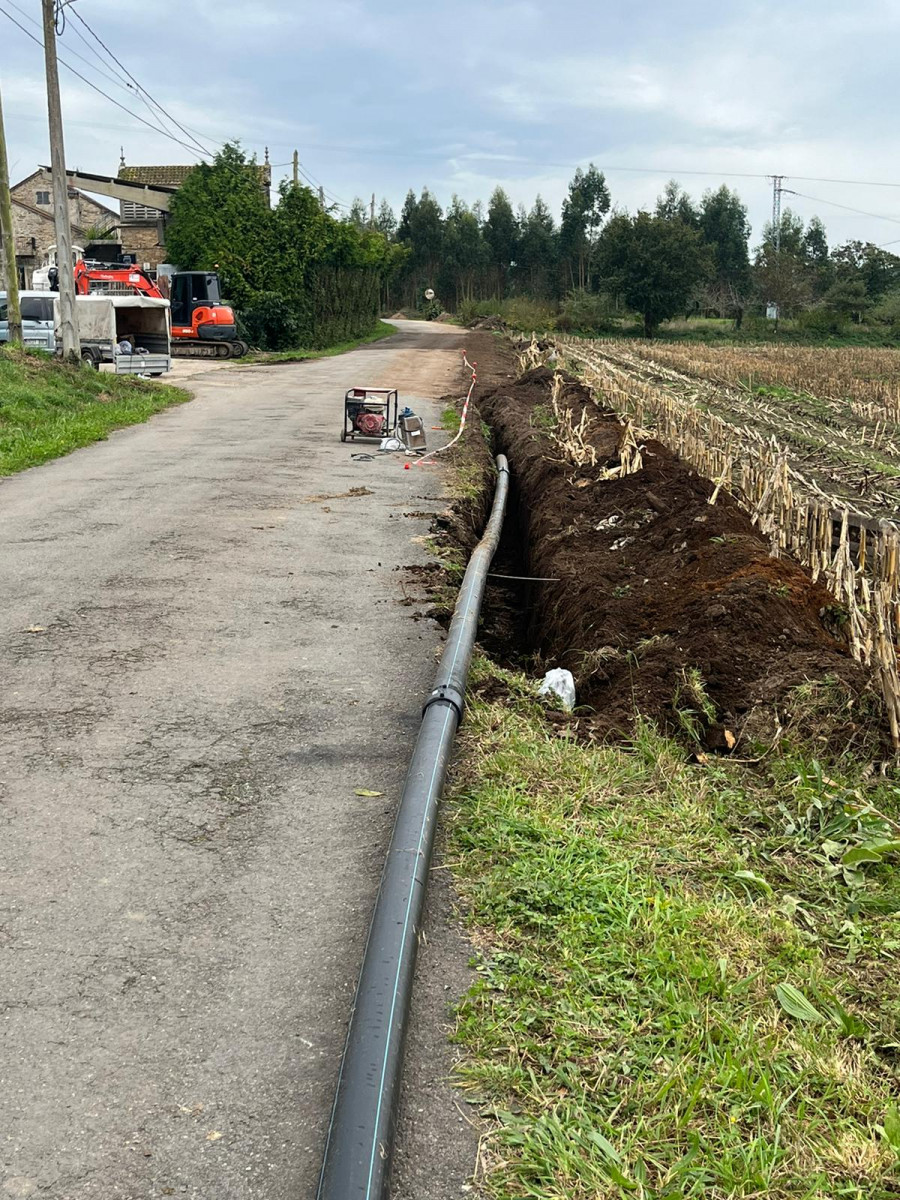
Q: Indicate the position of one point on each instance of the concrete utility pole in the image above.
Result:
(8, 243)
(296, 169)
(67, 321)
(372, 212)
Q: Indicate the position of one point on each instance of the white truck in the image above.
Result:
(134, 333)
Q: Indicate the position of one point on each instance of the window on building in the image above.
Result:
(43, 197)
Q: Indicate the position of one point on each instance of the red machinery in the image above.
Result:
(370, 414)
(202, 326)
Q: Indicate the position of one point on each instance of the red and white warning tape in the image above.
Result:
(463, 415)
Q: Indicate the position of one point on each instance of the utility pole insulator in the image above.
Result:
(68, 328)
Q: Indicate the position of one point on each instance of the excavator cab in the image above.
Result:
(198, 311)
(192, 290)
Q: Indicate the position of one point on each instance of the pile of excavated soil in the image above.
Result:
(656, 586)
(488, 323)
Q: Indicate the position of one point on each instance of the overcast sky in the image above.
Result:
(462, 96)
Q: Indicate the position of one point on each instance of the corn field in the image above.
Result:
(820, 478)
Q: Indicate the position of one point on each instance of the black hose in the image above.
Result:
(360, 1137)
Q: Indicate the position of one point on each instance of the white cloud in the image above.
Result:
(463, 94)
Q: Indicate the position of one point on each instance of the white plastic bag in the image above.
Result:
(560, 684)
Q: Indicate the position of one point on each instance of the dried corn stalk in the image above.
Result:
(796, 515)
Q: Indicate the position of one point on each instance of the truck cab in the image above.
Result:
(37, 319)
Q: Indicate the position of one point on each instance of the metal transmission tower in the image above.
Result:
(777, 181)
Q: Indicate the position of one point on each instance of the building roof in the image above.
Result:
(171, 176)
(175, 175)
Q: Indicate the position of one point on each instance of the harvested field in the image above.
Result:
(821, 486)
(835, 414)
(666, 604)
(686, 959)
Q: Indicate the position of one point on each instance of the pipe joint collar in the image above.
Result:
(445, 693)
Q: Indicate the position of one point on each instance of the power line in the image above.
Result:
(93, 86)
(858, 211)
(310, 178)
(88, 62)
(569, 166)
(315, 185)
(141, 90)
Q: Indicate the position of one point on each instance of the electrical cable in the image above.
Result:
(100, 91)
(316, 186)
(88, 62)
(318, 183)
(139, 87)
(859, 212)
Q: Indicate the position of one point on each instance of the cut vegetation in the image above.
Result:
(684, 895)
(48, 409)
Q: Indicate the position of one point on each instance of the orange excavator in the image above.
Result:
(202, 326)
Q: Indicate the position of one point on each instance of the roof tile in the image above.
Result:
(171, 176)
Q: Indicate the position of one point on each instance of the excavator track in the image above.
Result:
(192, 349)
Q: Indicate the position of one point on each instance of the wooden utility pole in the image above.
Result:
(372, 212)
(296, 169)
(8, 243)
(67, 326)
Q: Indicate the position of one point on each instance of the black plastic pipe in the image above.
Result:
(361, 1134)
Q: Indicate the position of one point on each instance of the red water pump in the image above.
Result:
(369, 424)
(370, 413)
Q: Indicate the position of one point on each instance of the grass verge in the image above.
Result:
(381, 330)
(48, 409)
(686, 973)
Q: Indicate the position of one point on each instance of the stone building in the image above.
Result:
(142, 227)
(137, 230)
(33, 225)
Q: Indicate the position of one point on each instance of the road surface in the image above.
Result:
(205, 651)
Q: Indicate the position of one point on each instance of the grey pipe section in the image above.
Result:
(360, 1137)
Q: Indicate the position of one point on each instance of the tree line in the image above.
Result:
(686, 256)
(299, 273)
(295, 274)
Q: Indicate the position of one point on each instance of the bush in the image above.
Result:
(270, 322)
(523, 313)
(467, 311)
(887, 310)
(821, 322)
(586, 312)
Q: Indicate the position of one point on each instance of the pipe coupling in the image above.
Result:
(445, 693)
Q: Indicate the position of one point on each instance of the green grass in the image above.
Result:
(48, 409)
(687, 975)
(381, 330)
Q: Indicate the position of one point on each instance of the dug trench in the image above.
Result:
(651, 586)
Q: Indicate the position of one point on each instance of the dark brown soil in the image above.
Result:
(655, 584)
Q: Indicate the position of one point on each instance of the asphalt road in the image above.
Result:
(204, 650)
